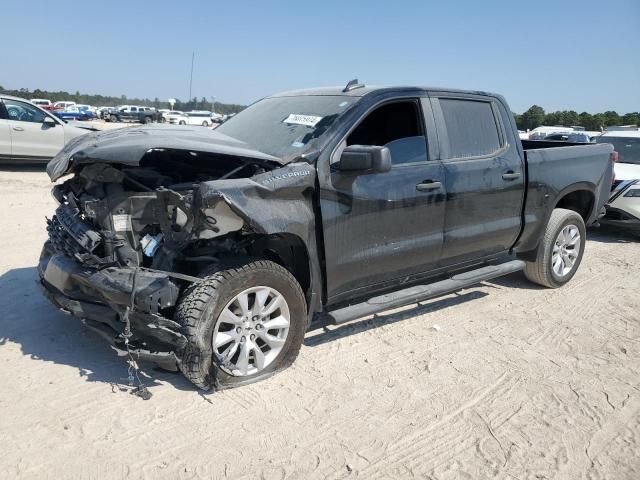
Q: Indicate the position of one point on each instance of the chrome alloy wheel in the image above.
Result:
(565, 250)
(251, 330)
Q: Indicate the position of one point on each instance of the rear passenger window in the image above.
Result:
(471, 127)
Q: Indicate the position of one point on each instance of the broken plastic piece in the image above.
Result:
(150, 244)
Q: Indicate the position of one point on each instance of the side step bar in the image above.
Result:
(419, 293)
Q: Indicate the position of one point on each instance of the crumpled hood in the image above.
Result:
(127, 146)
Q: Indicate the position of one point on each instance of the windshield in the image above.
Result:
(628, 148)
(285, 127)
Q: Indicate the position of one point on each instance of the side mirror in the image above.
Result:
(49, 122)
(365, 158)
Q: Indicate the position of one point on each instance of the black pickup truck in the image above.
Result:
(214, 251)
(132, 114)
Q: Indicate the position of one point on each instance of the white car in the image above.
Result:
(41, 102)
(200, 117)
(176, 117)
(63, 105)
(164, 112)
(30, 134)
(623, 208)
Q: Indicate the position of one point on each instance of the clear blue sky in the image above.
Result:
(581, 55)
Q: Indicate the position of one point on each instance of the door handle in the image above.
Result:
(510, 175)
(18, 129)
(428, 185)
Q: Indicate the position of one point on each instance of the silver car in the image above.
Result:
(30, 134)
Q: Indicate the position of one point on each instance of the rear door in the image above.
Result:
(31, 139)
(131, 113)
(380, 229)
(5, 135)
(484, 176)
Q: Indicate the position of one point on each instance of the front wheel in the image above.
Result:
(242, 324)
(113, 118)
(560, 251)
(182, 122)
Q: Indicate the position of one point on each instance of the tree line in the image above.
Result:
(109, 101)
(536, 116)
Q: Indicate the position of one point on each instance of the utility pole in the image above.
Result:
(193, 55)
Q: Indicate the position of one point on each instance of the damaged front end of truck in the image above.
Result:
(147, 212)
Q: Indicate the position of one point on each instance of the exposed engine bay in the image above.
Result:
(149, 216)
(129, 237)
(143, 216)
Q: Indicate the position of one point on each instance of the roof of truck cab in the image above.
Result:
(362, 91)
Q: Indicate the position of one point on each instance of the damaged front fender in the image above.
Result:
(277, 202)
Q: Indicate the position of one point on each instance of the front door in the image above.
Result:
(380, 229)
(31, 139)
(5, 135)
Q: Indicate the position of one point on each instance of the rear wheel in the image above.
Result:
(243, 324)
(148, 119)
(182, 122)
(560, 251)
(205, 124)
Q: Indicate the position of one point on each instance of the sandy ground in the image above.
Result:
(504, 380)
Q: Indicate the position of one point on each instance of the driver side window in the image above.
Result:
(397, 126)
(23, 112)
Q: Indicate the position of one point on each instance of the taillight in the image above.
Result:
(614, 159)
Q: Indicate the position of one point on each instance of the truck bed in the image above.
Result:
(537, 144)
(555, 169)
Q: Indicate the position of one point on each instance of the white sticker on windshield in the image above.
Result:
(306, 120)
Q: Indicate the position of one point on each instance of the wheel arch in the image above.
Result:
(579, 197)
(287, 250)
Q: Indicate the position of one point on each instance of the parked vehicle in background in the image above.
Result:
(164, 112)
(176, 117)
(30, 134)
(42, 103)
(540, 133)
(201, 117)
(133, 113)
(574, 137)
(623, 208)
(101, 112)
(75, 112)
(63, 105)
(224, 118)
(329, 204)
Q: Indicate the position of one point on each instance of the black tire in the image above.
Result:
(148, 120)
(202, 303)
(113, 118)
(182, 122)
(541, 271)
(205, 124)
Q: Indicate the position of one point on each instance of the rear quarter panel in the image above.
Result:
(552, 173)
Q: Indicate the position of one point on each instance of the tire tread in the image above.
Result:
(539, 271)
(190, 312)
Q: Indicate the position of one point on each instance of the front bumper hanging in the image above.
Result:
(100, 297)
